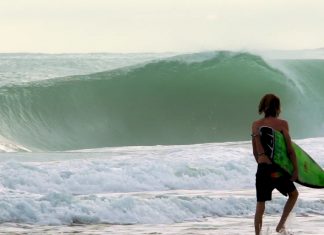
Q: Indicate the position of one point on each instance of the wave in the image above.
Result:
(140, 185)
(59, 208)
(215, 166)
(197, 98)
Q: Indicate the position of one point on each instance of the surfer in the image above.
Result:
(269, 176)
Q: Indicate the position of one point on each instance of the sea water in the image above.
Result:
(197, 189)
(161, 158)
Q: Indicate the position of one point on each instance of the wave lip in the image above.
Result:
(7, 146)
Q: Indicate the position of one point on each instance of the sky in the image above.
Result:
(121, 26)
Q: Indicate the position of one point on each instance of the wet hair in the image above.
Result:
(270, 105)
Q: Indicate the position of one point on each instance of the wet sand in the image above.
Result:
(220, 226)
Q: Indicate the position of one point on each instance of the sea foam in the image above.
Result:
(157, 184)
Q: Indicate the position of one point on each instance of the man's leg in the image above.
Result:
(287, 209)
(260, 206)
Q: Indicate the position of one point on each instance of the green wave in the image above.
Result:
(173, 101)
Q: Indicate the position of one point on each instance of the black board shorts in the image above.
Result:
(267, 180)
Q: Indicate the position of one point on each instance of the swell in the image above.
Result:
(171, 101)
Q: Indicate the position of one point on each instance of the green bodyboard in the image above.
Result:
(310, 173)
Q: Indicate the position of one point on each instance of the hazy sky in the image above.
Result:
(159, 25)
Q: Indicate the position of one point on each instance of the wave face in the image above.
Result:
(204, 97)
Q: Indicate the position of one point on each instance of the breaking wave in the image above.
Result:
(187, 99)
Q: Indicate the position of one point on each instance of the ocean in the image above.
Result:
(149, 143)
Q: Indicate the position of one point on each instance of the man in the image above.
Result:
(270, 176)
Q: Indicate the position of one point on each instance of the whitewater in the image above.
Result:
(148, 143)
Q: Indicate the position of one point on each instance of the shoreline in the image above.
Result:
(221, 226)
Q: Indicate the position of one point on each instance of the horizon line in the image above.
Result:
(156, 52)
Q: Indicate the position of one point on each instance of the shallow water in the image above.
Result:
(220, 226)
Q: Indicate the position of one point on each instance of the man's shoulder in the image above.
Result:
(257, 122)
(282, 125)
(283, 122)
